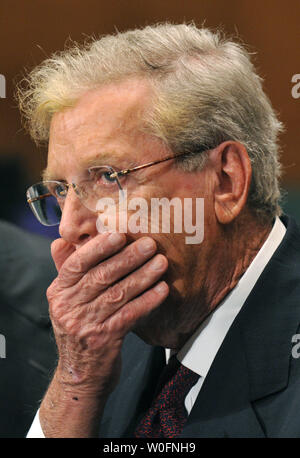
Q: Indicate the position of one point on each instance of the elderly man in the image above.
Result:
(166, 112)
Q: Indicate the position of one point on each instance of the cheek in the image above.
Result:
(149, 211)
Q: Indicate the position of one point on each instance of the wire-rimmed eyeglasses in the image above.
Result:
(46, 199)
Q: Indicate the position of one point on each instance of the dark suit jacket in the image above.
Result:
(26, 270)
(253, 386)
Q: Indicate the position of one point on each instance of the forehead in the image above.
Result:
(103, 125)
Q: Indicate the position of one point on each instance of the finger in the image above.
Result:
(91, 253)
(60, 251)
(113, 269)
(126, 318)
(130, 287)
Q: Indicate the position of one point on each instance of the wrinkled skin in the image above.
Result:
(103, 289)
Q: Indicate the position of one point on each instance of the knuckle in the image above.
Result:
(134, 254)
(56, 311)
(115, 294)
(71, 327)
(76, 266)
(106, 331)
(131, 255)
(53, 246)
(85, 289)
(129, 315)
(116, 327)
(52, 291)
(92, 341)
(101, 276)
(66, 323)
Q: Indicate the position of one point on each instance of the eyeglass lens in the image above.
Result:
(46, 198)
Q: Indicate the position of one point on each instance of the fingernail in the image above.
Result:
(158, 263)
(115, 238)
(161, 288)
(146, 246)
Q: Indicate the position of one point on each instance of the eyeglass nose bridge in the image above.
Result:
(78, 191)
(81, 194)
(75, 187)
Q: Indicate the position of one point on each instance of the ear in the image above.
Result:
(232, 168)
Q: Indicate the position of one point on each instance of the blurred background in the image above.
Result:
(30, 30)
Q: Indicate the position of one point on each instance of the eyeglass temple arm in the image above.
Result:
(34, 199)
(139, 167)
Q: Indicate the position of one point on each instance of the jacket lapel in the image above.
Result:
(141, 368)
(254, 359)
(223, 408)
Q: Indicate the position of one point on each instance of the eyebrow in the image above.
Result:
(106, 158)
(47, 176)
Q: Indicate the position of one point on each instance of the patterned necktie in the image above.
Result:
(167, 414)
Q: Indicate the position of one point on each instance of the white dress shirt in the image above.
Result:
(200, 350)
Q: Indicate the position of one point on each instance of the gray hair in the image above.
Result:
(206, 91)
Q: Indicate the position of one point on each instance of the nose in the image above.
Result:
(78, 224)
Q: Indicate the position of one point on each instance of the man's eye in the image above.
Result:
(60, 191)
(107, 176)
(102, 176)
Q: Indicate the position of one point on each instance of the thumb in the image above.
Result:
(60, 251)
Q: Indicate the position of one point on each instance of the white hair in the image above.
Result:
(206, 91)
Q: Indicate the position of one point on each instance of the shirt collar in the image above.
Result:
(200, 350)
